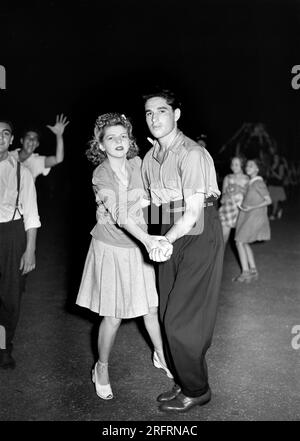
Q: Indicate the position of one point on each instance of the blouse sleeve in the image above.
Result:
(115, 202)
(119, 201)
(262, 189)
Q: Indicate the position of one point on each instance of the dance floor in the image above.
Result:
(254, 360)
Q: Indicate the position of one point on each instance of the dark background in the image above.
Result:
(229, 60)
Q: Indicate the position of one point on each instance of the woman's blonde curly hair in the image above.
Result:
(94, 153)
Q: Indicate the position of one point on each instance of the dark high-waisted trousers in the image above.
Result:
(12, 247)
(189, 285)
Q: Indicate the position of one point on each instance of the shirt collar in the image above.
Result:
(10, 159)
(174, 147)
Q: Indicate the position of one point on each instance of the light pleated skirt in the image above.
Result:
(117, 282)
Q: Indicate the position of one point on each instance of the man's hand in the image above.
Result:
(27, 263)
(60, 125)
(163, 251)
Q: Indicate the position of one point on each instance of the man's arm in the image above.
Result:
(31, 219)
(194, 205)
(198, 178)
(150, 242)
(27, 263)
(193, 209)
(58, 130)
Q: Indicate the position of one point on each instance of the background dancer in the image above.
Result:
(253, 223)
(19, 221)
(30, 141)
(234, 188)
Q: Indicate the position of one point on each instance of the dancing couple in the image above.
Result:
(118, 282)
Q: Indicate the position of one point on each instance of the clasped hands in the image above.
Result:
(160, 249)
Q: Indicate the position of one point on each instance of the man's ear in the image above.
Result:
(11, 139)
(177, 113)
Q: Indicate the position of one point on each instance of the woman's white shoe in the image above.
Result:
(102, 390)
(157, 363)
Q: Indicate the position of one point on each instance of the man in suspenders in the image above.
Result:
(19, 220)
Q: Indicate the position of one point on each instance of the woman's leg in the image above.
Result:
(243, 256)
(250, 256)
(106, 337)
(226, 233)
(274, 209)
(153, 329)
(279, 210)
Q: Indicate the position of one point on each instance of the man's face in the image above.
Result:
(160, 117)
(6, 137)
(30, 142)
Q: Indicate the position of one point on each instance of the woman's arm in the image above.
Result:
(280, 173)
(149, 242)
(118, 207)
(225, 184)
(267, 201)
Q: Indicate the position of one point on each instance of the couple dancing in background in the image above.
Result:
(244, 202)
(118, 281)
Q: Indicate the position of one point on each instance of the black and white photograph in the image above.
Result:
(149, 214)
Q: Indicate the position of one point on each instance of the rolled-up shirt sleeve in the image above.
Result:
(198, 175)
(193, 174)
(28, 201)
(38, 166)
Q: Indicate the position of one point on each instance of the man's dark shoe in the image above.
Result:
(182, 404)
(170, 395)
(6, 360)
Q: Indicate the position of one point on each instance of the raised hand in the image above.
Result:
(60, 125)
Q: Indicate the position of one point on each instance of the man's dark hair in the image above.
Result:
(30, 129)
(167, 94)
(8, 122)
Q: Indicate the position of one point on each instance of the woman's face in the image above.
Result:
(115, 141)
(251, 168)
(236, 165)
